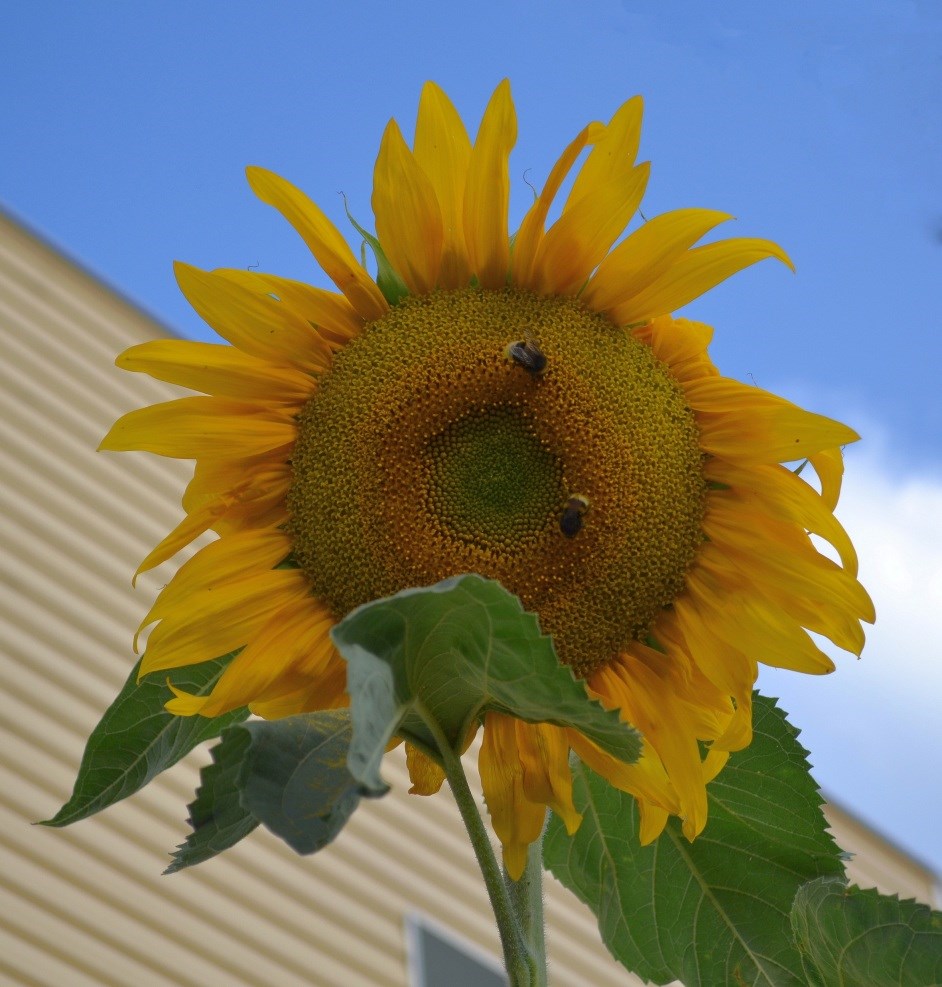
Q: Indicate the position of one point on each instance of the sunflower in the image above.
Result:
(524, 407)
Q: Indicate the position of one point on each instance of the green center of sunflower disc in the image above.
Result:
(427, 451)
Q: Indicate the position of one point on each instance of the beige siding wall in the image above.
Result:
(88, 905)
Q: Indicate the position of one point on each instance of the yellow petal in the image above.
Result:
(329, 248)
(646, 779)
(222, 371)
(218, 563)
(829, 465)
(221, 620)
(516, 820)
(408, 217)
(652, 820)
(770, 551)
(766, 633)
(426, 776)
(329, 313)
(647, 254)
(583, 235)
(191, 527)
(253, 322)
(614, 152)
(329, 692)
(729, 669)
(213, 478)
(681, 344)
(544, 756)
(530, 234)
(190, 428)
(650, 702)
(750, 426)
(780, 492)
(692, 274)
(293, 645)
(443, 151)
(487, 194)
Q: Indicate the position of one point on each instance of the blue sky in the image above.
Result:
(126, 127)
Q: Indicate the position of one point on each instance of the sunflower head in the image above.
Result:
(521, 407)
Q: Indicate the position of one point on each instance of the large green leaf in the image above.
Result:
(853, 938)
(715, 911)
(447, 653)
(217, 815)
(290, 774)
(137, 738)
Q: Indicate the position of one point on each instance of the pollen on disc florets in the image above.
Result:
(427, 452)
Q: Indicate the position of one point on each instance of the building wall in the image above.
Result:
(88, 906)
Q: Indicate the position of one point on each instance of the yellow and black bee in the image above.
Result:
(570, 524)
(526, 353)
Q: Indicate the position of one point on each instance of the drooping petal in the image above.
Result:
(329, 248)
(426, 776)
(190, 528)
(218, 563)
(516, 820)
(408, 217)
(771, 551)
(547, 779)
(727, 668)
(780, 492)
(442, 150)
(326, 692)
(829, 465)
(692, 274)
(487, 193)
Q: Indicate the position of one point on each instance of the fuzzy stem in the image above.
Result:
(521, 968)
(527, 897)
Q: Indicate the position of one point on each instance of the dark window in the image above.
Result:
(439, 959)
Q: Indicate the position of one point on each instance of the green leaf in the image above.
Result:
(449, 652)
(217, 816)
(137, 738)
(715, 911)
(392, 287)
(853, 938)
(290, 774)
(296, 779)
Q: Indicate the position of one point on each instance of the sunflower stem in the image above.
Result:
(527, 898)
(521, 968)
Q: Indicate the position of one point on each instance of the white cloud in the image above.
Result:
(874, 727)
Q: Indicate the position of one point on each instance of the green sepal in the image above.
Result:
(449, 653)
(715, 911)
(217, 816)
(137, 738)
(853, 938)
(290, 775)
(392, 286)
